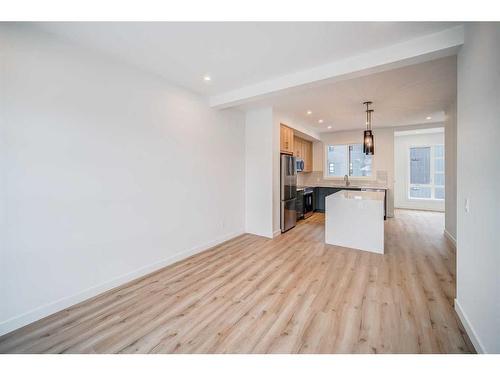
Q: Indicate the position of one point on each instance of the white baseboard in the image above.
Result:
(63, 303)
(468, 328)
(277, 233)
(450, 237)
(409, 207)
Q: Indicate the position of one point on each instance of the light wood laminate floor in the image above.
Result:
(292, 294)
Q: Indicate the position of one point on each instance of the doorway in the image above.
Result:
(419, 160)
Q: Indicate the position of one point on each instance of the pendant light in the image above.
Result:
(368, 142)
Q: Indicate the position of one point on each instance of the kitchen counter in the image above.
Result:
(358, 195)
(322, 190)
(343, 186)
(351, 213)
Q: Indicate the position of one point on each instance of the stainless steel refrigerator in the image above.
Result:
(288, 192)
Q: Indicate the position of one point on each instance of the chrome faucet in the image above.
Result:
(346, 180)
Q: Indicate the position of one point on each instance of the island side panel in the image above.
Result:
(356, 224)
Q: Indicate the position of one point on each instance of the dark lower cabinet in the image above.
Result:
(316, 199)
(299, 204)
(320, 193)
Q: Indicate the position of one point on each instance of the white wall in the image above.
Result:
(450, 170)
(402, 143)
(478, 172)
(259, 170)
(383, 159)
(107, 173)
(276, 179)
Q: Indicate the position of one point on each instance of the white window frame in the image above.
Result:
(326, 176)
(432, 172)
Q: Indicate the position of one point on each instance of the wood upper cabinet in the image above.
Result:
(308, 156)
(303, 150)
(286, 139)
(296, 146)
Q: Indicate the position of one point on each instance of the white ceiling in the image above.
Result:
(235, 54)
(404, 96)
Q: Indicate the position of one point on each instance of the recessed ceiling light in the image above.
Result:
(329, 127)
(320, 121)
(309, 112)
(207, 78)
(428, 118)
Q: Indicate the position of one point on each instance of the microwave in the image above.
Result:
(299, 163)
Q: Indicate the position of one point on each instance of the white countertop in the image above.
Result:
(357, 195)
(352, 186)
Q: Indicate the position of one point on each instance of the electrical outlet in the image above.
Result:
(467, 205)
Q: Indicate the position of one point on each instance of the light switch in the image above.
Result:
(467, 205)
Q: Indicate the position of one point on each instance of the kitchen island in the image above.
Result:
(324, 190)
(355, 219)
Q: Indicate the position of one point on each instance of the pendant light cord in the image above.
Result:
(368, 115)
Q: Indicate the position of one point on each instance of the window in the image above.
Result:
(426, 172)
(349, 160)
(360, 165)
